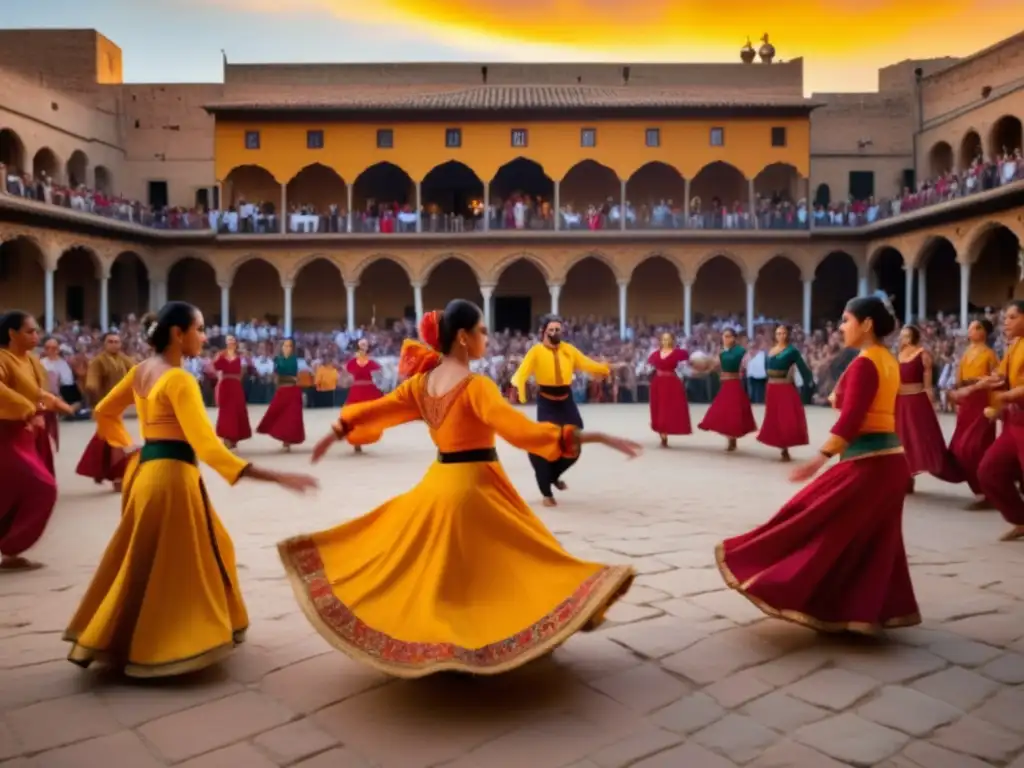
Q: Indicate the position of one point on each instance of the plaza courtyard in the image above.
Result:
(685, 674)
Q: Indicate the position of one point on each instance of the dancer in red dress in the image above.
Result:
(974, 433)
(730, 414)
(232, 410)
(833, 558)
(670, 412)
(28, 491)
(362, 388)
(100, 461)
(1002, 470)
(283, 419)
(785, 423)
(917, 424)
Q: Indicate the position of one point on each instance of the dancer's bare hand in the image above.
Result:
(622, 445)
(297, 483)
(801, 473)
(321, 448)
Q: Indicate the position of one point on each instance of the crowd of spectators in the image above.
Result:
(599, 338)
(521, 211)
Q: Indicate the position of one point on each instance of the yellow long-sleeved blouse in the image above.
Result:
(172, 410)
(554, 366)
(22, 383)
(464, 419)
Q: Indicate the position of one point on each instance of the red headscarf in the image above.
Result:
(417, 357)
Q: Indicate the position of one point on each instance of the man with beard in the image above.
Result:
(551, 363)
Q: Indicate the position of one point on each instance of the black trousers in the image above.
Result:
(560, 412)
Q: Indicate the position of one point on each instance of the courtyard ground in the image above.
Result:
(686, 674)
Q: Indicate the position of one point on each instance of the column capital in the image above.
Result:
(555, 286)
(287, 285)
(351, 285)
(224, 286)
(417, 285)
(487, 287)
(688, 284)
(623, 282)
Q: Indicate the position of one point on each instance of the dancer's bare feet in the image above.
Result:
(358, 449)
(560, 485)
(549, 502)
(785, 455)
(287, 447)
(732, 445)
(911, 486)
(664, 441)
(18, 563)
(979, 505)
(1014, 534)
(117, 486)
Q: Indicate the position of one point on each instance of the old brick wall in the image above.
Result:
(62, 59)
(960, 86)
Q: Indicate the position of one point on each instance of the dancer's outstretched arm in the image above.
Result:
(524, 372)
(109, 413)
(363, 423)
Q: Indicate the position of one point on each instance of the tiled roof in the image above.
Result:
(508, 97)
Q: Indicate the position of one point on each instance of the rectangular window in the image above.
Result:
(453, 138)
(252, 139)
(519, 137)
(588, 137)
(778, 136)
(314, 139)
(654, 137)
(385, 138)
(718, 137)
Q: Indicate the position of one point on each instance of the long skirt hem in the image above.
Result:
(584, 610)
(801, 618)
(84, 657)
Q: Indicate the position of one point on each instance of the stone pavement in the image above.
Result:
(685, 675)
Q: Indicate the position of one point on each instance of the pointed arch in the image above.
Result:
(319, 298)
(129, 286)
(590, 183)
(521, 293)
(77, 171)
(508, 261)
(655, 290)
(778, 292)
(995, 271)
(444, 257)
(315, 188)
(232, 269)
(45, 162)
(256, 289)
(940, 159)
(887, 271)
(376, 192)
(970, 149)
(717, 185)
(22, 265)
(103, 180)
(451, 276)
(720, 286)
(658, 193)
(384, 293)
(591, 287)
(522, 180)
(778, 182)
(251, 184)
(12, 151)
(836, 281)
(453, 198)
(76, 284)
(192, 278)
(938, 268)
(1005, 136)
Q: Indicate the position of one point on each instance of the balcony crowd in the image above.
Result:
(322, 356)
(524, 211)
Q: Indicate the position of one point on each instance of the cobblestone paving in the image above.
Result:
(685, 675)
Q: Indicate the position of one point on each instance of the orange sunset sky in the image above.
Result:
(843, 42)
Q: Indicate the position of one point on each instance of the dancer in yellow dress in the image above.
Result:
(165, 598)
(456, 574)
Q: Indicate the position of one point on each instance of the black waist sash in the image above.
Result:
(555, 393)
(475, 456)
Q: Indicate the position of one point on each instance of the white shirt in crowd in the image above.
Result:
(60, 369)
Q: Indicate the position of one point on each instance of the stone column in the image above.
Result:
(350, 305)
(908, 295)
(687, 308)
(965, 292)
(105, 301)
(348, 215)
(623, 287)
(555, 289)
(419, 206)
(752, 195)
(558, 205)
(807, 305)
(622, 205)
(922, 293)
(808, 203)
(686, 203)
(282, 214)
(750, 309)
(417, 293)
(487, 292)
(225, 303)
(287, 310)
(487, 206)
(862, 286)
(48, 300)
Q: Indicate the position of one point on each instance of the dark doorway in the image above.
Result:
(203, 199)
(74, 303)
(513, 313)
(862, 184)
(158, 194)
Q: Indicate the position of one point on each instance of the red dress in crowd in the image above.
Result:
(28, 491)
(1002, 469)
(102, 462)
(730, 414)
(974, 432)
(670, 412)
(232, 412)
(361, 370)
(833, 557)
(918, 426)
(785, 422)
(283, 419)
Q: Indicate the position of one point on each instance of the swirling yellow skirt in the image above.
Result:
(165, 598)
(457, 574)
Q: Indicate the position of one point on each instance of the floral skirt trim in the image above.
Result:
(84, 656)
(798, 617)
(582, 611)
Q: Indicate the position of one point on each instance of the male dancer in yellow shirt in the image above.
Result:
(552, 363)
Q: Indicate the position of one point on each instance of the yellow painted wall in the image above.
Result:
(418, 147)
